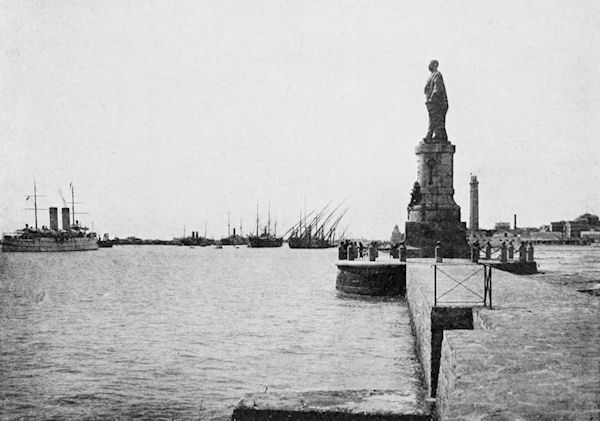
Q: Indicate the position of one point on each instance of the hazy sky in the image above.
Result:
(165, 114)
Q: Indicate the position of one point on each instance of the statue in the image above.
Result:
(437, 105)
(415, 195)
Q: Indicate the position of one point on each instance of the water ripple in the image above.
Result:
(168, 332)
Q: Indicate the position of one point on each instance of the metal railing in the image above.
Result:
(502, 253)
(486, 298)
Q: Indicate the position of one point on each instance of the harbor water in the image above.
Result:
(165, 332)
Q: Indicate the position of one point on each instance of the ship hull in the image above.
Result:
(313, 243)
(265, 242)
(49, 244)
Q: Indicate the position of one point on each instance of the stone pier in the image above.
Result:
(379, 278)
(533, 355)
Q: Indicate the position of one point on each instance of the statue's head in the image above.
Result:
(433, 65)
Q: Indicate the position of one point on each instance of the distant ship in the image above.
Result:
(73, 236)
(266, 238)
(235, 239)
(318, 232)
(105, 242)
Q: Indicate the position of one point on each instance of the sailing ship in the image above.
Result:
(72, 237)
(266, 238)
(318, 232)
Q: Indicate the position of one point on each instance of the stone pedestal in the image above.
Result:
(433, 215)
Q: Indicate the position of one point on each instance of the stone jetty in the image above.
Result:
(533, 355)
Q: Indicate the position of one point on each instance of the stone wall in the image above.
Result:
(420, 314)
(372, 278)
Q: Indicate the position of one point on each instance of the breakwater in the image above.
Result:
(532, 355)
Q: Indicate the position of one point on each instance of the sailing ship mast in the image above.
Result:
(35, 207)
(35, 203)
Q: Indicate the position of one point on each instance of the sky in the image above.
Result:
(168, 116)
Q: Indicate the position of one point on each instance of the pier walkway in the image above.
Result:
(534, 355)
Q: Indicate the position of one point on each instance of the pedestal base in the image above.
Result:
(425, 235)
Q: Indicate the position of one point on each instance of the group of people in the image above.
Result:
(350, 250)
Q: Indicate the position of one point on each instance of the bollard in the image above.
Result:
(342, 252)
(530, 252)
(373, 252)
(503, 252)
(438, 252)
(351, 251)
(522, 257)
(511, 250)
(475, 252)
(488, 251)
(403, 252)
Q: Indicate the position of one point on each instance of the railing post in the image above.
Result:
(438, 252)
(503, 252)
(402, 252)
(488, 251)
(490, 286)
(522, 252)
(434, 285)
(475, 252)
(530, 252)
(485, 285)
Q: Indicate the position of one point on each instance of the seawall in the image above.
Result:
(533, 355)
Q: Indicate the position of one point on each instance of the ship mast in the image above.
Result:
(35, 202)
(269, 220)
(72, 202)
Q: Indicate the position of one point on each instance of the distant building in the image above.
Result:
(591, 235)
(397, 236)
(558, 226)
(502, 226)
(573, 229)
(474, 217)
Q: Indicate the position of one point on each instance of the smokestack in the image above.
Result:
(515, 216)
(474, 220)
(54, 219)
(234, 232)
(66, 220)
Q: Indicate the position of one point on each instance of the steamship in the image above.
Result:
(72, 237)
(266, 238)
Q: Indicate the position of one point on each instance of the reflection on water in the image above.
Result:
(175, 332)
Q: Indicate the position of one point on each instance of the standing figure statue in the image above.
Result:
(437, 105)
